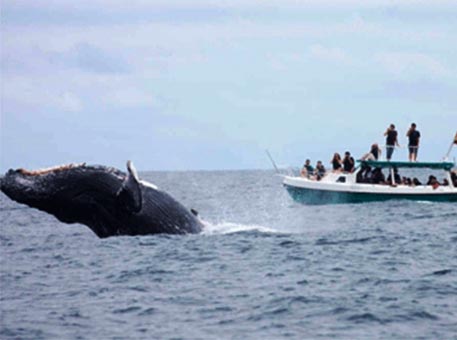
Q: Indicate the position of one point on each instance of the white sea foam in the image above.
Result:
(230, 227)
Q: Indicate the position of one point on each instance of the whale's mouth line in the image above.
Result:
(49, 170)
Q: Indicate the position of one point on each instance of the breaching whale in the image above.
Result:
(107, 200)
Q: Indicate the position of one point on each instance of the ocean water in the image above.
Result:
(265, 267)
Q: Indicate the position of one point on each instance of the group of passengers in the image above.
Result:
(313, 172)
(367, 174)
(376, 176)
(347, 164)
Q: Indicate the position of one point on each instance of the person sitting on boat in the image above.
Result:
(373, 154)
(397, 178)
(406, 181)
(319, 171)
(391, 140)
(413, 145)
(360, 177)
(377, 177)
(365, 170)
(348, 162)
(416, 182)
(433, 182)
(445, 182)
(336, 162)
(307, 169)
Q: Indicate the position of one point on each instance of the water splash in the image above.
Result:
(231, 227)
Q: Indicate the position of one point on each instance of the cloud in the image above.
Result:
(225, 64)
(328, 53)
(411, 64)
(30, 92)
(69, 102)
(90, 58)
(121, 5)
(129, 97)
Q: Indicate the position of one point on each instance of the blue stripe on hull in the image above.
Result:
(310, 196)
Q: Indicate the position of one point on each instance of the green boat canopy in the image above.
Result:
(389, 164)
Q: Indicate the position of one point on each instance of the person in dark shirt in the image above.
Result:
(407, 181)
(375, 151)
(373, 154)
(377, 177)
(320, 170)
(307, 169)
(348, 162)
(413, 145)
(397, 177)
(391, 140)
(416, 181)
(433, 182)
(336, 162)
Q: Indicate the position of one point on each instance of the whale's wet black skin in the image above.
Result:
(105, 199)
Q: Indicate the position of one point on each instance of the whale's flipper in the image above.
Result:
(129, 195)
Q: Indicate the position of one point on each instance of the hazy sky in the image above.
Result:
(200, 84)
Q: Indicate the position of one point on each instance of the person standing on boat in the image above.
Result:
(413, 145)
(348, 162)
(391, 141)
(336, 162)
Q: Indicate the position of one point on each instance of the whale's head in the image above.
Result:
(76, 193)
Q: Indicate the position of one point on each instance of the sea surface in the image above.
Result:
(264, 268)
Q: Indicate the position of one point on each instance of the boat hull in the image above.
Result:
(318, 196)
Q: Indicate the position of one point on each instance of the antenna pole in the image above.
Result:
(450, 147)
(272, 161)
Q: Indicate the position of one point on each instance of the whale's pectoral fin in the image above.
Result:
(129, 195)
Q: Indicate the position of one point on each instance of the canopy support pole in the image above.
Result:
(450, 147)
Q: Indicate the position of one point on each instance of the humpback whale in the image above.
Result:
(107, 200)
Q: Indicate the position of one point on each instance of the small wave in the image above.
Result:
(148, 312)
(424, 315)
(230, 228)
(441, 272)
(127, 310)
(365, 317)
(22, 333)
(324, 241)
